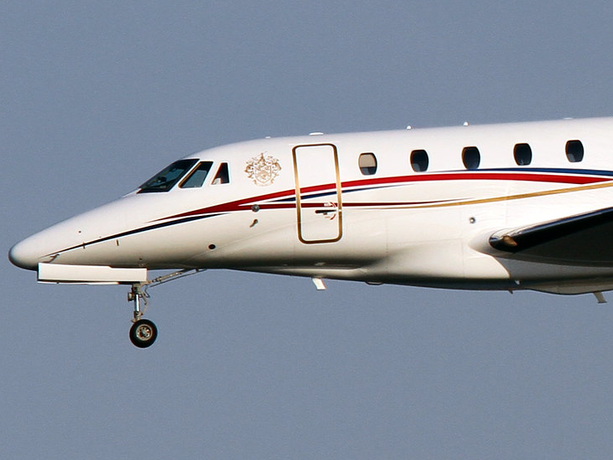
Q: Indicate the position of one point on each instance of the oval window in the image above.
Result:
(471, 157)
(419, 160)
(522, 154)
(574, 151)
(368, 164)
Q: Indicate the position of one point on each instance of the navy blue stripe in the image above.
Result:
(136, 231)
(588, 172)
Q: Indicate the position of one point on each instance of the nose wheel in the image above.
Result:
(143, 332)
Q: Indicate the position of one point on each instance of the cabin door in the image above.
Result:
(318, 193)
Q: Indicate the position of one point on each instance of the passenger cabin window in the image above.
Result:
(471, 157)
(197, 176)
(222, 176)
(167, 178)
(574, 151)
(368, 164)
(522, 154)
(419, 160)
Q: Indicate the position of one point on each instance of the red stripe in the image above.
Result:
(399, 180)
(524, 177)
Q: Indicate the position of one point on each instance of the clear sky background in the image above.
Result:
(95, 97)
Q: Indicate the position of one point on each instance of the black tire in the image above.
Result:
(143, 333)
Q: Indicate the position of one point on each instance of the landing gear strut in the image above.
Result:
(143, 332)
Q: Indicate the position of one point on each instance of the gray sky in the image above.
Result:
(97, 96)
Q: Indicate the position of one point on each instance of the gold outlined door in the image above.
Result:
(318, 193)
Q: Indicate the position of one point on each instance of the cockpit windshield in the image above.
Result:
(168, 177)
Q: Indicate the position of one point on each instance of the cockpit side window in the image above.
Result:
(197, 176)
(223, 175)
(168, 177)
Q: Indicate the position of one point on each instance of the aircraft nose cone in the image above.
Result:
(25, 255)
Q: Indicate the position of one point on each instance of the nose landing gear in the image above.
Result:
(143, 332)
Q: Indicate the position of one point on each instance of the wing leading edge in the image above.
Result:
(583, 239)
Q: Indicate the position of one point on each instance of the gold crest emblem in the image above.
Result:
(263, 170)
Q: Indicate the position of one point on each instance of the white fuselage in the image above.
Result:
(352, 206)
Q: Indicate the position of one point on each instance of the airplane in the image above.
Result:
(514, 206)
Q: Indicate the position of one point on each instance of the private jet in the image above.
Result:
(510, 207)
